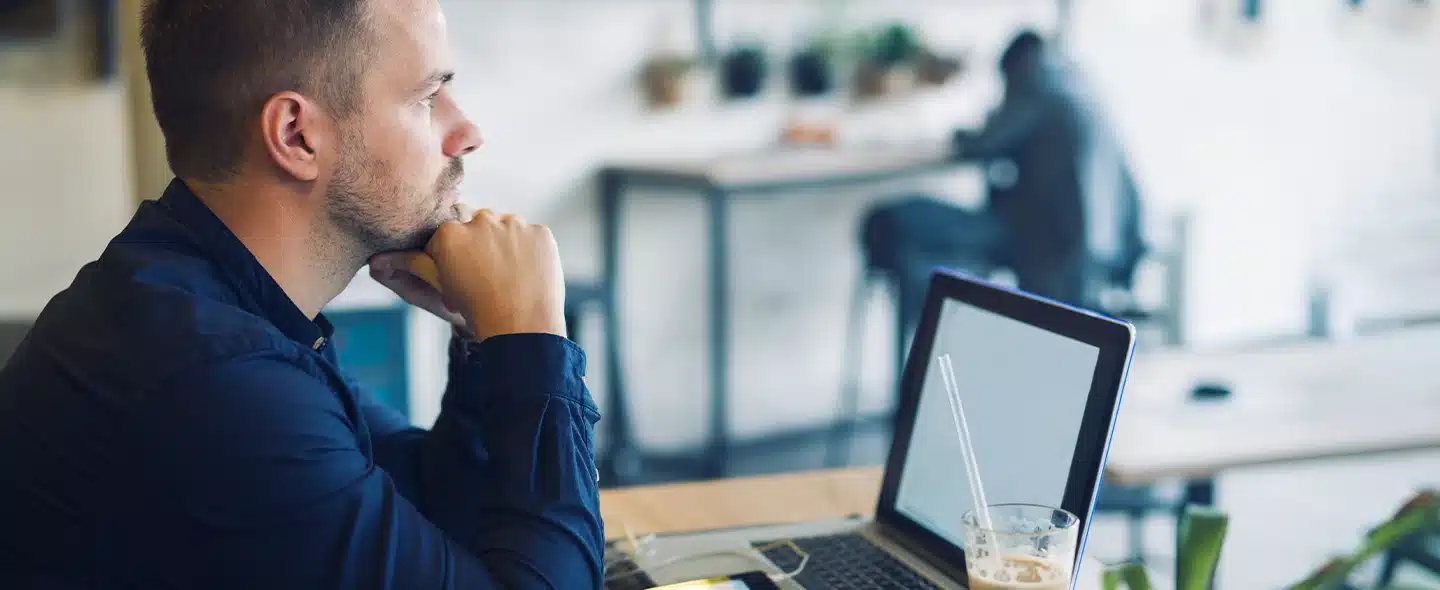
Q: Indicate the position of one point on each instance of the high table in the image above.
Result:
(1371, 395)
(720, 181)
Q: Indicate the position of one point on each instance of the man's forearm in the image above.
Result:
(508, 470)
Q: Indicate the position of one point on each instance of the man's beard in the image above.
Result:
(362, 201)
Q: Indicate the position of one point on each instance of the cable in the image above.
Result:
(804, 559)
(636, 547)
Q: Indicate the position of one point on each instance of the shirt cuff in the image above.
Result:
(521, 364)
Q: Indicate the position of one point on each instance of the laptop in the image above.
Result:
(1041, 383)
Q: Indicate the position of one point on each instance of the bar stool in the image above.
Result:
(619, 462)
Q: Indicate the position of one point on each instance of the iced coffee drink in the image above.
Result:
(1025, 547)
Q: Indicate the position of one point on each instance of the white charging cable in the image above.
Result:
(640, 547)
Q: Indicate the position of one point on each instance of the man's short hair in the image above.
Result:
(1025, 47)
(212, 64)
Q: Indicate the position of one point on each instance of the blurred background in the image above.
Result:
(1286, 153)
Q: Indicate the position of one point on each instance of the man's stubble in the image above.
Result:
(363, 197)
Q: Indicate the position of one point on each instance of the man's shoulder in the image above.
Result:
(143, 312)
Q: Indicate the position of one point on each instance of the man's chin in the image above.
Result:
(450, 206)
(453, 211)
(420, 237)
(416, 240)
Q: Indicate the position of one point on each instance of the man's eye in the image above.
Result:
(430, 100)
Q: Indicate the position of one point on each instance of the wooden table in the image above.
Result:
(1320, 400)
(719, 181)
(746, 501)
(772, 499)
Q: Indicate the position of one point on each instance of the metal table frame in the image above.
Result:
(719, 192)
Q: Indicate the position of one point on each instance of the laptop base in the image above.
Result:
(667, 560)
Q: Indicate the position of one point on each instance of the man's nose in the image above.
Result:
(463, 140)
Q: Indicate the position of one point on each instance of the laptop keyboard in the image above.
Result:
(621, 573)
(845, 561)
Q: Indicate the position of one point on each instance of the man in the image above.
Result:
(177, 417)
(1067, 217)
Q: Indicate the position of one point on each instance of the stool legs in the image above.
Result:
(837, 451)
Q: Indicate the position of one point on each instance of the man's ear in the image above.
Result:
(293, 133)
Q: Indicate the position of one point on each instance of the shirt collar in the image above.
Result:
(254, 285)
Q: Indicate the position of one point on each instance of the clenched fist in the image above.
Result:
(492, 275)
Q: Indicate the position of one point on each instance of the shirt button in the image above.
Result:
(319, 343)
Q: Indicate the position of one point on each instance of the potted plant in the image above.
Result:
(1202, 535)
(933, 69)
(742, 71)
(885, 67)
(1418, 518)
(812, 71)
(897, 45)
(664, 79)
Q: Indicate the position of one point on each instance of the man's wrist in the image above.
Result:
(523, 364)
(481, 332)
(462, 333)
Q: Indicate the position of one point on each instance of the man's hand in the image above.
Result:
(490, 276)
(413, 276)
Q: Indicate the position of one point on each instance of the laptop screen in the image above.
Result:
(1024, 391)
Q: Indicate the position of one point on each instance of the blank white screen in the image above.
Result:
(1024, 391)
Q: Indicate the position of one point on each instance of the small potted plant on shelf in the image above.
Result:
(933, 69)
(743, 71)
(897, 45)
(812, 71)
(812, 119)
(886, 67)
(664, 79)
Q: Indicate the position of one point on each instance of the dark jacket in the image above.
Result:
(174, 421)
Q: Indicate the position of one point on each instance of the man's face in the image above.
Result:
(398, 170)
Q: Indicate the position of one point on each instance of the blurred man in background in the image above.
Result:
(1062, 212)
(177, 417)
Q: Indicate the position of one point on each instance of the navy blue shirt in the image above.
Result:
(173, 420)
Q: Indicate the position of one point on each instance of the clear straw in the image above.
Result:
(967, 451)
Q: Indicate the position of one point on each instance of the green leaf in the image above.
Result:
(1137, 577)
(1131, 576)
(896, 44)
(1326, 577)
(1202, 536)
(1110, 580)
(1419, 516)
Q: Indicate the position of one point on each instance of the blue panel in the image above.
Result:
(1251, 10)
(371, 346)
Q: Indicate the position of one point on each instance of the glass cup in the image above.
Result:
(1028, 546)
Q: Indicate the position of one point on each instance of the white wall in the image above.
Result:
(65, 185)
(1254, 143)
(1303, 146)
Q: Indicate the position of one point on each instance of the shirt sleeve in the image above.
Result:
(275, 482)
(1006, 129)
(490, 396)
